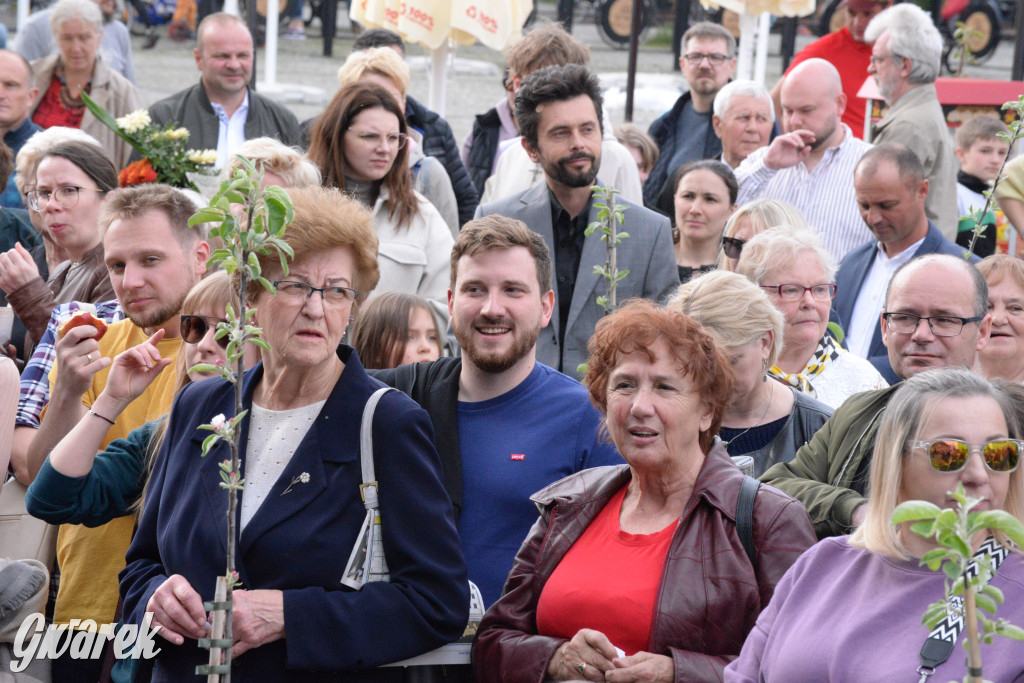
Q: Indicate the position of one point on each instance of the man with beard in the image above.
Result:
(153, 258)
(905, 63)
(684, 133)
(505, 425)
(220, 112)
(559, 114)
(811, 165)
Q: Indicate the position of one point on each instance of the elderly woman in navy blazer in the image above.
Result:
(301, 510)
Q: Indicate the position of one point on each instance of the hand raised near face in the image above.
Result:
(789, 150)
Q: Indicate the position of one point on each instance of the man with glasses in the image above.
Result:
(684, 133)
(905, 63)
(891, 192)
(935, 316)
(220, 112)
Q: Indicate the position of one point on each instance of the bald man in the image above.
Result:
(811, 164)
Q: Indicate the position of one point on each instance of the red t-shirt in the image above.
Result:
(851, 59)
(608, 581)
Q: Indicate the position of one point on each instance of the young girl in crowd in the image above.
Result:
(394, 329)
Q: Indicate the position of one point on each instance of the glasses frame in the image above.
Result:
(37, 202)
(714, 59)
(832, 288)
(730, 244)
(403, 139)
(971, 448)
(963, 321)
(203, 325)
(352, 294)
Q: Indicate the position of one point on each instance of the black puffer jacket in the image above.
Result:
(486, 131)
(439, 142)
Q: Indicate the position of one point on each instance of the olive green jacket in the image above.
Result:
(824, 474)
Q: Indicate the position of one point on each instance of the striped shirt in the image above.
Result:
(825, 195)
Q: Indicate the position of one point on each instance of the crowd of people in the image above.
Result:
(686, 483)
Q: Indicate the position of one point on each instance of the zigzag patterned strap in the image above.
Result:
(941, 641)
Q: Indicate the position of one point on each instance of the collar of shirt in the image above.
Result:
(900, 258)
(560, 219)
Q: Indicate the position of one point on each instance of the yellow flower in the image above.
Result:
(204, 156)
(177, 134)
(134, 122)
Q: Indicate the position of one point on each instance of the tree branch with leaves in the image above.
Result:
(249, 221)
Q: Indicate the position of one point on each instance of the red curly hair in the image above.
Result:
(636, 327)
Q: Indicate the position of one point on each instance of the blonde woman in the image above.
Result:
(1003, 355)
(857, 600)
(764, 420)
(750, 219)
(281, 165)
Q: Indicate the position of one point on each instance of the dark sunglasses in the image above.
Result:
(194, 328)
(732, 247)
(950, 455)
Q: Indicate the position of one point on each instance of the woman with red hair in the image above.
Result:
(637, 572)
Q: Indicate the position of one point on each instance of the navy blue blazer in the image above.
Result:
(299, 542)
(854, 269)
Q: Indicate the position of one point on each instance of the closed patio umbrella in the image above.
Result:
(439, 25)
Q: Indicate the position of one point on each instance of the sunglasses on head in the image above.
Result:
(950, 455)
(194, 327)
(732, 247)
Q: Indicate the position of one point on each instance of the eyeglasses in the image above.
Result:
(395, 141)
(940, 325)
(950, 455)
(733, 247)
(331, 295)
(826, 291)
(714, 59)
(195, 327)
(66, 196)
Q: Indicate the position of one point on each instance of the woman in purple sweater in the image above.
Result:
(850, 608)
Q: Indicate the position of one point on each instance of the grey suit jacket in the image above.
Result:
(647, 253)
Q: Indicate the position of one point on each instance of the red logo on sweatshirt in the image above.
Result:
(518, 456)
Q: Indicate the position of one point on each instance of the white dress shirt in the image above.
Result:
(867, 310)
(825, 196)
(231, 134)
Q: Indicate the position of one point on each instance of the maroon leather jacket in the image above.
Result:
(710, 594)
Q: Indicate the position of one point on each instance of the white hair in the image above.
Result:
(741, 87)
(912, 35)
(778, 247)
(68, 10)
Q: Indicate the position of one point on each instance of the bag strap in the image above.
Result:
(368, 489)
(745, 515)
(940, 642)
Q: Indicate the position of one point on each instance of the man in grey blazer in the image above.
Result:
(559, 115)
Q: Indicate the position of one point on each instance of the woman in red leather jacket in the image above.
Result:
(637, 572)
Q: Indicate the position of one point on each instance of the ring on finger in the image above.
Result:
(582, 667)
(88, 356)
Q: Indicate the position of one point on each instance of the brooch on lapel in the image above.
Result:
(301, 479)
